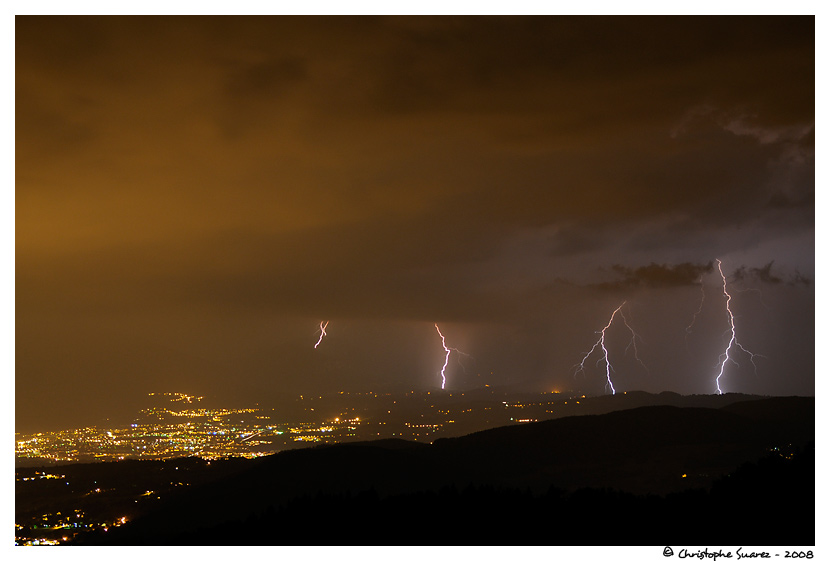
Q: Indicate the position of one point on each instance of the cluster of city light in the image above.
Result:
(205, 412)
(67, 526)
(240, 438)
(176, 396)
(257, 433)
(209, 433)
(39, 475)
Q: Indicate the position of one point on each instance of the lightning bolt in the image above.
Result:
(447, 357)
(634, 338)
(322, 331)
(601, 343)
(758, 291)
(733, 341)
(461, 353)
(699, 308)
(697, 313)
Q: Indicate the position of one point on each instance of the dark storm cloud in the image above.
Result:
(779, 199)
(266, 79)
(800, 280)
(498, 54)
(657, 276)
(766, 275)
(516, 121)
(762, 274)
(572, 239)
(469, 127)
(253, 86)
(50, 132)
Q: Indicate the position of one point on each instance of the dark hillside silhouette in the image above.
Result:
(542, 483)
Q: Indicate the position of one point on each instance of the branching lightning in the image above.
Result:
(322, 331)
(601, 343)
(447, 357)
(758, 292)
(634, 337)
(697, 313)
(459, 355)
(699, 308)
(733, 341)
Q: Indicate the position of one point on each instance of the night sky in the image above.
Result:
(195, 195)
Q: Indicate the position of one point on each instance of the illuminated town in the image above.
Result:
(179, 426)
(174, 429)
(77, 485)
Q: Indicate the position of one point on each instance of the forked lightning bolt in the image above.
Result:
(448, 350)
(322, 331)
(601, 343)
(634, 337)
(733, 340)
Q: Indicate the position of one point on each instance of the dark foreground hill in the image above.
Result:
(744, 473)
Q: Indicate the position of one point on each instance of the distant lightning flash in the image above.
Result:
(322, 331)
(461, 353)
(601, 343)
(758, 292)
(699, 308)
(447, 357)
(733, 341)
(697, 313)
